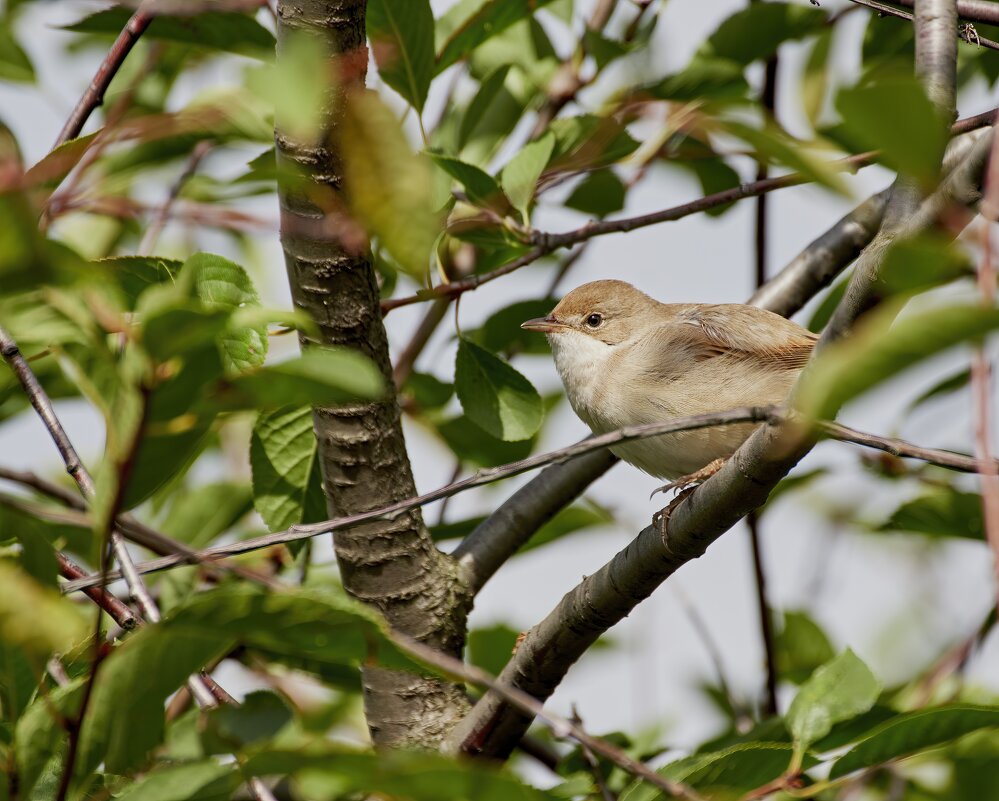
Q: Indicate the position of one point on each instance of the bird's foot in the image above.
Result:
(660, 520)
(696, 477)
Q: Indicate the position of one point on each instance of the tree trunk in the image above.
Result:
(392, 565)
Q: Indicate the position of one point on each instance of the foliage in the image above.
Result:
(485, 121)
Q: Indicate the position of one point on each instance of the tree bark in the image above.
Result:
(392, 565)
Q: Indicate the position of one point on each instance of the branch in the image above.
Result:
(94, 95)
(835, 431)
(163, 213)
(964, 34)
(973, 10)
(115, 609)
(981, 369)
(560, 726)
(604, 598)
(545, 243)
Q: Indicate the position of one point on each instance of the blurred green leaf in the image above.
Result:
(923, 262)
(287, 485)
(427, 391)
(940, 512)
(502, 331)
(191, 781)
(38, 557)
(911, 732)
(331, 772)
(494, 395)
(520, 175)
(587, 141)
(491, 648)
(839, 690)
(35, 618)
(896, 117)
(322, 376)
(402, 40)
(471, 444)
(40, 734)
(260, 716)
(739, 768)
(390, 187)
(950, 384)
(827, 305)
(483, 103)
(802, 647)
(295, 85)
(757, 31)
(887, 46)
(216, 30)
(815, 76)
(200, 514)
(714, 175)
(488, 19)
(703, 78)
(599, 193)
(480, 187)
(603, 50)
(137, 273)
(879, 349)
(14, 62)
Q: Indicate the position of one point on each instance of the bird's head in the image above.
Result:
(610, 312)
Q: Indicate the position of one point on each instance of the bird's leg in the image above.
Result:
(693, 478)
(661, 518)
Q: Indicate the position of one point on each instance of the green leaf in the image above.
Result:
(878, 350)
(480, 186)
(600, 193)
(482, 104)
(603, 50)
(520, 176)
(35, 618)
(839, 690)
(940, 512)
(914, 731)
(402, 39)
(137, 273)
(802, 647)
(291, 86)
(815, 76)
(757, 31)
(287, 486)
(494, 395)
(738, 768)
(215, 30)
(390, 188)
(222, 285)
(14, 62)
(491, 18)
(923, 262)
(197, 516)
(192, 781)
(322, 376)
(427, 391)
(950, 384)
(588, 141)
(332, 772)
(260, 716)
(714, 175)
(471, 444)
(502, 331)
(703, 78)
(40, 733)
(896, 117)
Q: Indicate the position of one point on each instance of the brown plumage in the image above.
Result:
(627, 359)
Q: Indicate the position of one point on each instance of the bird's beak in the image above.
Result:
(543, 325)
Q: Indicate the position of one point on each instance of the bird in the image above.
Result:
(626, 359)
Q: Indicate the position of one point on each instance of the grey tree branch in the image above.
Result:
(972, 10)
(579, 450)
(971, 37)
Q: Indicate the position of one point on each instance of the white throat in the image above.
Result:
(581, 363)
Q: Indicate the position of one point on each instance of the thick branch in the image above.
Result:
(971, 10)
(965, 35)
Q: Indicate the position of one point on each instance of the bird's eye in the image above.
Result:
(594, 320)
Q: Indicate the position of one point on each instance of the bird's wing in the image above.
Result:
(733, 329)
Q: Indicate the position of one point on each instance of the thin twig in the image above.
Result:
(545, 243)
(964, 35)
(116, 610)
(560, 726)
(163, 213)
(981, 372)
(94, 95)
(592, 762)
(835, 431)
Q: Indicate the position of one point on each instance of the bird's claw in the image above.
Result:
(696, 477)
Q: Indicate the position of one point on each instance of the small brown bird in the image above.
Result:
(627, 359)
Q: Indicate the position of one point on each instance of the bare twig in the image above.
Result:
(163, 213)
(560, 726)
(962, 34)
(592, 762)
(558, 457)
(972, 10)
(981, 372)
(94, 95)
(117, 611)
(545, 243)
